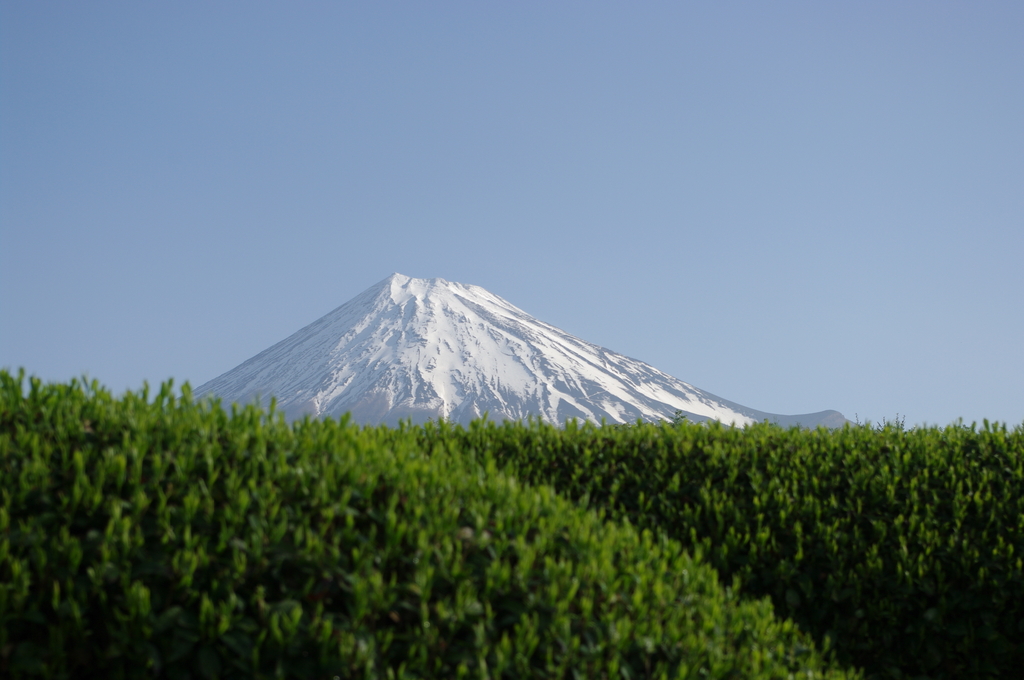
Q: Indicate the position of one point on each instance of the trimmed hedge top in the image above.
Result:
(902, 548)
(148, 537)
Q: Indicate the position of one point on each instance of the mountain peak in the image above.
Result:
(430, 348)
(400, 288)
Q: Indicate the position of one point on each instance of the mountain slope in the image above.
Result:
(429, 348)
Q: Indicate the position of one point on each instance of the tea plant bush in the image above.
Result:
(902, 548)
(150, 537)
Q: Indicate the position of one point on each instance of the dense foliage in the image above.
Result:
(150, 537)
(903, 548)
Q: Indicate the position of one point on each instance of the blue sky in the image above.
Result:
(795, 206)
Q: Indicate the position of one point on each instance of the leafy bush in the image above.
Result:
(155, 538)
(902, 548)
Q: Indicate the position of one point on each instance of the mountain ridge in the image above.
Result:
(431, 348)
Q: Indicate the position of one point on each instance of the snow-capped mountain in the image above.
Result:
(429, 348)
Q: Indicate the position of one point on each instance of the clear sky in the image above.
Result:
(795, 206)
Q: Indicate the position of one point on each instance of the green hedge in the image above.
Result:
(904, 549)
(149, 537)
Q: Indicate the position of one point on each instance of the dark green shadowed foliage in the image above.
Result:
(902, 549)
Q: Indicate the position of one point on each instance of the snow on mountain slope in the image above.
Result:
(428, 348)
